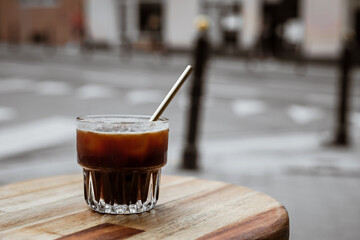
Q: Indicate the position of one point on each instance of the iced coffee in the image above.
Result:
(122, 157)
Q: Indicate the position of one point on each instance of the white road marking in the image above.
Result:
(35, 135)
(144, 96)
(53, 88)
(245, 108)
(7, 113)
(304, 115)
(93, 91)
(10, 85)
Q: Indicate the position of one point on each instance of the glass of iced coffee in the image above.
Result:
(122, 157)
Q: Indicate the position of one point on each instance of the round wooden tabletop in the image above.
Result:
(188, 208)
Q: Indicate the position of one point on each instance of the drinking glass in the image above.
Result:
(121, 157)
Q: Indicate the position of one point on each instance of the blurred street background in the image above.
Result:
(270, 117)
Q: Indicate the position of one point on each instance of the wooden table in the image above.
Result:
(188, 208)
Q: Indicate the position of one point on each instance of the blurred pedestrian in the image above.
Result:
(231, 25)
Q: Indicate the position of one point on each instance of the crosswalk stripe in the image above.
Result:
(303, 114)
(144, 96)
(94, 91)
(36, 135)
(245, 108)
(53, 88)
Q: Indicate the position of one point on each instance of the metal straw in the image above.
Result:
(171, 94)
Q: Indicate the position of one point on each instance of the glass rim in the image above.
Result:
(99, 118)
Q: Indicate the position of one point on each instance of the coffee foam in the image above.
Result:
(119, 128)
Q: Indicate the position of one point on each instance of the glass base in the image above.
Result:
(121, 192)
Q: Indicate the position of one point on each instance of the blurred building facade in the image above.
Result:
(51, 22)
(311, 28)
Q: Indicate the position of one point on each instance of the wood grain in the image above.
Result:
(272, 219)
(105, 231)
(188, 208)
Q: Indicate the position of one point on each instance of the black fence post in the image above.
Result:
(201, 53)
(343, 106)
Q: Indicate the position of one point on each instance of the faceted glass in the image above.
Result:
(122, 157)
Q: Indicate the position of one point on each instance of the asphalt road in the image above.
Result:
(263, 125)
